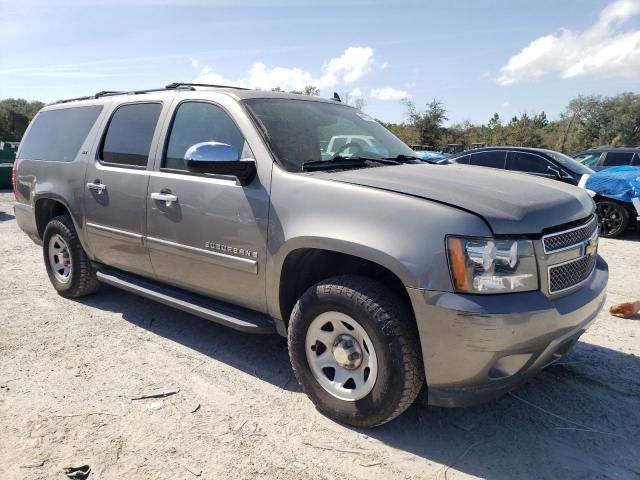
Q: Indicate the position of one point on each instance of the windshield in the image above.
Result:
(569, 163)
(302, 131)
(590, 159)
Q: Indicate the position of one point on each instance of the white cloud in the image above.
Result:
(389, 93)
(506, 104)
(486, 74)
(602, 50)
(286, 78)
(384, 65)
(356, 92)
(353, 64)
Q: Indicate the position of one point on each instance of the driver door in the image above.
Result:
(211, 237)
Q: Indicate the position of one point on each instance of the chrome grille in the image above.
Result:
(570, 274)
(569, 238)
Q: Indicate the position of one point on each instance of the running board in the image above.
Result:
(238, 318)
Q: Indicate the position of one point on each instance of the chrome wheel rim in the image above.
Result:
(60, 258)
(341, 356)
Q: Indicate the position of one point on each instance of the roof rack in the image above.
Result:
(171, 86)
(185, 84)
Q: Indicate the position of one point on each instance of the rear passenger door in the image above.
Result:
(211, 237)
(116, 186)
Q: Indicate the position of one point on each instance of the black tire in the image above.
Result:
(393, 333)
(82, 280)
(613, 218)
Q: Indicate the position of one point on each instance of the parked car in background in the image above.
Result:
(535, 161)
(616, 192)
(600, 158)
(432, 157)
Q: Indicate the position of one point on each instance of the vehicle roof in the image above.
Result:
(543, 151)
(234, 92)
(610, 149)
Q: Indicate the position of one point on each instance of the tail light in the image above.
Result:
(14, 179)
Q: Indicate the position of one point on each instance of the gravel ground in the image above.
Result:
(69, 370)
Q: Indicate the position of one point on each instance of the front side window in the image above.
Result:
(130, 133)
(57, 135)
(298, 130)
(197, 122)
(526, 162)
(493, 159)
(613, 159)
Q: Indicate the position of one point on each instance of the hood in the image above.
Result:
(511, 203)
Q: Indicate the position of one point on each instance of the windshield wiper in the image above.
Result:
(340, 161)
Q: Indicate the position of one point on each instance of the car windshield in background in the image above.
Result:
(569, 163)
(301, 132)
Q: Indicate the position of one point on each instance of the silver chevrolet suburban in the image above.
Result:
(384, 273)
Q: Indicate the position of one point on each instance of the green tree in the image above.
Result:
(15, 115)
(428, 123)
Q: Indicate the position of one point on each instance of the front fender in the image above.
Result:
(402, 233)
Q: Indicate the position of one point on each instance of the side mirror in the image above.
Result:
(220, 159)
(556, 172)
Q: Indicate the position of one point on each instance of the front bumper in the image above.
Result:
(478, 347)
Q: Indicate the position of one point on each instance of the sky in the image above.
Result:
(476, 56)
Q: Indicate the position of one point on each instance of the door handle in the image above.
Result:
(98, 187)
(167, 198)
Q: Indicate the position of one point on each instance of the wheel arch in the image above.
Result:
(308, 263)
(46, 207)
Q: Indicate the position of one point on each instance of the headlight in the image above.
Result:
(481, 265)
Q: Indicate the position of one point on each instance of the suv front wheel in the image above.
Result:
(68, 266)
(354, 349)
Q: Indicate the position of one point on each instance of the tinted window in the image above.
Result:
(464, 159)
(197, 122)
(636, 159)
(526, 162)
(493, 159)
(617, 158)
(59, 134)
(130, 133)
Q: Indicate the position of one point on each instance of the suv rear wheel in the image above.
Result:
(68, 266)
(354, 349)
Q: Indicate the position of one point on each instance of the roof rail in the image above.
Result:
(171, 86)
(186, 84)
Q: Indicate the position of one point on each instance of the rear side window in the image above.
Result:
(613, 159)
(57, 135)
(526, 162)
(197, 122)
(494, 159)
(129, 134)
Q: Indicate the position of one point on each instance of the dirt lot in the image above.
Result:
(68, 371)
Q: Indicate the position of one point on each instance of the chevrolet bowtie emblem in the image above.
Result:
(591, 247)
